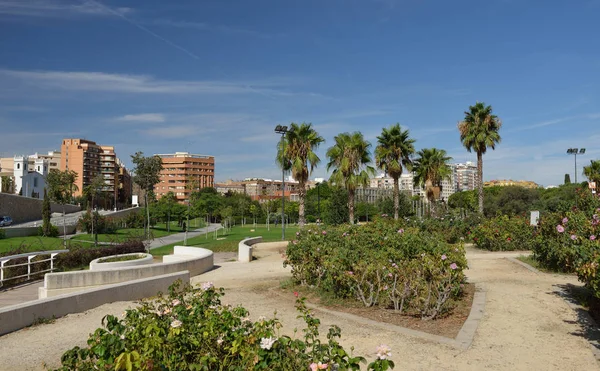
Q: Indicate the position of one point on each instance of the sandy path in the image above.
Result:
(525, 325)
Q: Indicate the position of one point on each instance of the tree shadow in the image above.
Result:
(575, 296)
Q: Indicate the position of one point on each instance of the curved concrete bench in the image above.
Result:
(196, 260)
(245, 249)
(97, 264)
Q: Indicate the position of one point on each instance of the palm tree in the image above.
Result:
(478, 132)
(349, 158)
(592, 171)
(430, 168)
(393, 151)
(300, 143)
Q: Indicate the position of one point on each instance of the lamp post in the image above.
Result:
(279, 129)
(188, 222)
(576, 151)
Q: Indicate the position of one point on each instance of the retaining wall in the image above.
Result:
(21, 315)
(245, 249)
(24, 209)
(33, 231)
(60, 283)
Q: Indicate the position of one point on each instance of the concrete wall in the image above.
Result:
(97, 264)
(24, 209)
(33, 231)
(245, 249)
(59, 283)
(123, 213)
(21, 315)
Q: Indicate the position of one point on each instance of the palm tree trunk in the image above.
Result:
(480, 181)
(351, 205)
(396, 197)
(301, 202)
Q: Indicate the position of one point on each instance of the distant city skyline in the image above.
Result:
(215, 78)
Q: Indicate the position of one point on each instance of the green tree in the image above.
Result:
(46, 228)
(300, 143)
(349, 158)
(8, 185)
(592, 171)
(61, 185)
(393, 151)
(430, 168)
(335, 208)
(207, 202)
(567, 179)
(479, 131)
(165, 207)
(147, 175)
(90, 192)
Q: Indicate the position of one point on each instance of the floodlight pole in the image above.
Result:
(279, 129)
(575, 151)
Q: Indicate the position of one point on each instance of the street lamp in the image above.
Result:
(576, 151)
(279, 129)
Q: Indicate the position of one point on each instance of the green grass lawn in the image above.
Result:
(32, 243)
(158, 231)
(229, 241)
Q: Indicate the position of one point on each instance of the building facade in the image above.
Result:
(261, 189)
(510, 182)
(184, 173)
(30, 181)
(90, 160)
(466, 176)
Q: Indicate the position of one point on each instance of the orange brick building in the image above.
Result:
(183, 171)
(89, 160)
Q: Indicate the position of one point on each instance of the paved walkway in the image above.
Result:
(526, 325)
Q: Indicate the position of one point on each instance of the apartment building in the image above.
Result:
(183, 173)
(466, 176)
(52, 158)
(261, 189)
(89, 160)
(406, 184)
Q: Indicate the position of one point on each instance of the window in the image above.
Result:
(35, 182)
(18, 166)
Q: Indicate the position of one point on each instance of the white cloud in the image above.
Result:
(57, 8)
(589, 116)
(121, 83)
(202, 26)
(143, 117)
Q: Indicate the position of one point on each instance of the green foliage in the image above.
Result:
(592, 171)
(101, 223)
(191, 330)
(567, 179)
(46, 226)
(135, 219)
(82, 256)
(450, 228)
(50, 231)
(296, 153)
(335, 209)
(61, 185)
(504, 233)
(380, 263)
(430, 168)
(2, 234)
(349, 158)
(479, 131)
(8, 184)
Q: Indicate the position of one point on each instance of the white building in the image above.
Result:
(30, 182)
(466, 176)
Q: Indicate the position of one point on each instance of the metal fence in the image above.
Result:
(31, 264)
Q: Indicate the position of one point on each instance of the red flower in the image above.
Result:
(296, 293)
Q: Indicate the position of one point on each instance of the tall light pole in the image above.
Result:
(279, 129)
(576, 151)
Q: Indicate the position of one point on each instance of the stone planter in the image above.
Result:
(96, 265)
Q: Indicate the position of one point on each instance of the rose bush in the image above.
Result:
(380, 263)
(504, 233)
(191, 330)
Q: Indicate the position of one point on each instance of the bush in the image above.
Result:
(11, 271)
(191, 330)
(52, 231)
(450, 228)
(135, 220)
(82, 256)
(101, 224)
(564, 242)
(504, 233)
(379, 264)
(2, 234)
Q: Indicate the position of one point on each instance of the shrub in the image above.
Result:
(51, 232)
(191, 330)
(82, 256)
(503, 233)
(101, 224)
(377, 262)
(35, 269)
(2, 234)
(566, 240)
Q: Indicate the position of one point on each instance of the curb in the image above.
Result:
(524, 265)
(463, 340)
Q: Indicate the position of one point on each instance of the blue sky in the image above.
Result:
(216, 76)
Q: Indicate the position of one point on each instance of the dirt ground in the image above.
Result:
(526, 325)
